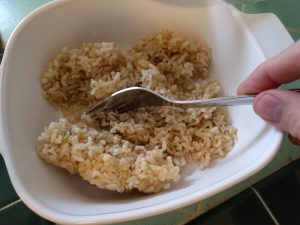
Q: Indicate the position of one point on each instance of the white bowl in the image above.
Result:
(239, 43)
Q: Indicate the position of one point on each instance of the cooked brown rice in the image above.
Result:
(145, 149)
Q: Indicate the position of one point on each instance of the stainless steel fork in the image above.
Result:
(136, 97)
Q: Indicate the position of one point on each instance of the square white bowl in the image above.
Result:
(239, 43)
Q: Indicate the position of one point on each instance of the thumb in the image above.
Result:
(280, 108)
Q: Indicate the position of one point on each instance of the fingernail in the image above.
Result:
(269, 108)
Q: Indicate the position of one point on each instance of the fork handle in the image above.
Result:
(223, 101)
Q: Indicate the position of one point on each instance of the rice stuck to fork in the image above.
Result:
(145, 149)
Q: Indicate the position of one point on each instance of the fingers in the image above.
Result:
(280, 108)
(295, 141)
(283, 68)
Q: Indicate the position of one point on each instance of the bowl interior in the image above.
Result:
(235, 54)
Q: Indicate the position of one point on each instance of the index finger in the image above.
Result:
(280, 69)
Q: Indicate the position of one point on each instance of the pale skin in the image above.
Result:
(280, 108)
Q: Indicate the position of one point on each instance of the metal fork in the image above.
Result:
(136, 97)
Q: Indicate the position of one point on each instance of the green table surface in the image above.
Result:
(11, 13)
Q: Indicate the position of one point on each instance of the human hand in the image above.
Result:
(280, 108)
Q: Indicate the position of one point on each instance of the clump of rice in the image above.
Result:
(145, 149)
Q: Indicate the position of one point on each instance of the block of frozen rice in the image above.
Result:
(145, 149)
